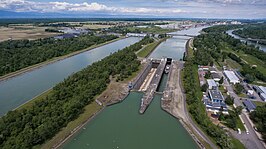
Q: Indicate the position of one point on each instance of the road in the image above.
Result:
(251, 140)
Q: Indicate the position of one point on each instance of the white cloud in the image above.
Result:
(26, 5)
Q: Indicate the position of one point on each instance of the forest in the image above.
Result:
(28, 127)
(213, 47)
(257, 31)
(18, 54)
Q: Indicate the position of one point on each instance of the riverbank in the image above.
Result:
(53, 60)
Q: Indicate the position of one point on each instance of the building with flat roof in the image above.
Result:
(216, 96)
(250, 106)
(212, 85)
(216, 77)
(231, 76)
(215, 106)
(261, 90)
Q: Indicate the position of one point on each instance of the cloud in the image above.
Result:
(25, 5)
(160, 8)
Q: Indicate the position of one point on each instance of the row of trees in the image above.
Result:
(18, 54)
(34, 125)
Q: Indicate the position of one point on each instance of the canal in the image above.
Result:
(262, 47)
(22, 88)
(121, 125)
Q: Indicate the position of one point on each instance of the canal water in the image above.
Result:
(20, 89)
(262, 47)
(122, 127)
(175, 47)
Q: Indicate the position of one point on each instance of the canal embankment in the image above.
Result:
(53, 60)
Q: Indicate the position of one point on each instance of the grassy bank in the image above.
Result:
(30, 68)
(146, 51)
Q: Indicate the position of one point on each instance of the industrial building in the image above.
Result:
(261, 90)
(231, 76)
(250, 106)
(212, 85)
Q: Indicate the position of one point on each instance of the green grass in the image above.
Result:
(233, 64)
(149, 48)
(240, 125)
(237, 144)
(253, 61)
(259, 103)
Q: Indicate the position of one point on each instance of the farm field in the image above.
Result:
(25, 31)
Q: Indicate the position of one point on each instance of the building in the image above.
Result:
(216, 77)
(231, 76)
(205, 68)
(65, 36)
(261, 90)
(216, 96)
(201, 75)
(212, 85)
(215, 102)
(250, 106)
(212, 70)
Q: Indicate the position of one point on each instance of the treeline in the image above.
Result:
(259, 117)
(257, 31)
(197, 108)
(18, 54)
(212, 46)
(34, 125)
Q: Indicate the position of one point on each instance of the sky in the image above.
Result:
(228, 9)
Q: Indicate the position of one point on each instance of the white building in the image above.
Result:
(231, 76)
(212, 85)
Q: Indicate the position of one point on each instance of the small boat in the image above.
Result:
(167, 69)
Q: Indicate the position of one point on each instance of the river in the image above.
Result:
(262, 47)
(20, 89)
(121, 125)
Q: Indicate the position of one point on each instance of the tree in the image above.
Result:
(208, 75)
(229, 100)
(238, 110)
(238, 88)
(204, 87)
(221, 81)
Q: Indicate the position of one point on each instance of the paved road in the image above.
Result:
(251, 141)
